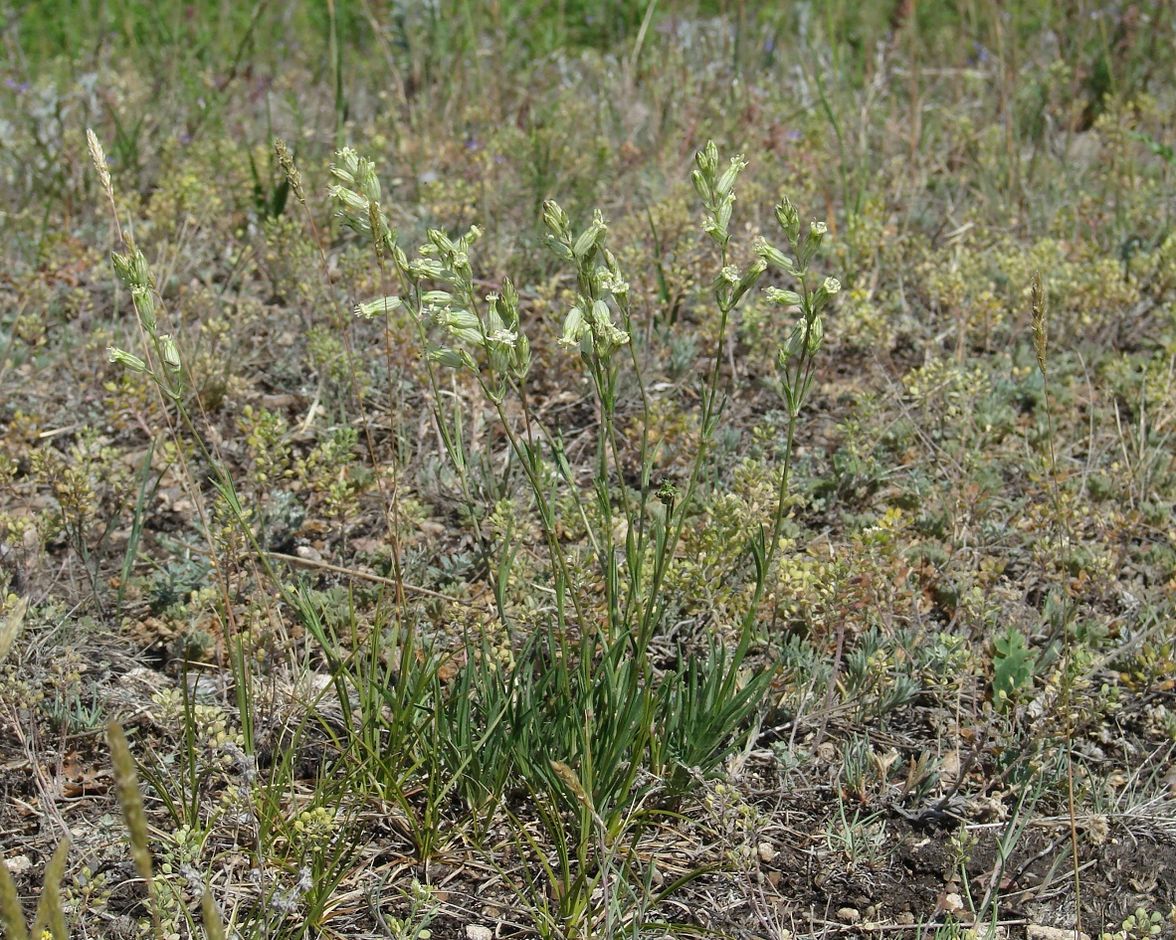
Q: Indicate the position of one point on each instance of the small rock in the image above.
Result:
(203, 687)
(950, 903)
(767, 851)
(1041, 932)
(309, 553)
(849, 915)
(18, 864)
(478, 932)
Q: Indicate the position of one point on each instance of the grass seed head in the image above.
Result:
(131, 799)
(1037, 299)
(98, 157)
(50, 915)
(286, 161)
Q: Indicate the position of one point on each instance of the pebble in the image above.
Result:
(1041, 932)
(951, 903)
(849, 915)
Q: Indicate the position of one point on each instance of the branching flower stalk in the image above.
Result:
(390, 507)
(483, 338)
(357, 197)
(590, 328)
(160, 361)
(796, 358)
(162, 365)
(488, 328)
(718, 197)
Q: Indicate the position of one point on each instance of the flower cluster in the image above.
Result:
(438, 284)
(795, 354)
(590, 325)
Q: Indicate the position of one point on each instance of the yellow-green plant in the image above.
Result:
(583, 702)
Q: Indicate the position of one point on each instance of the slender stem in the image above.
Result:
(662, 563)
(546, 516)
(636, 557)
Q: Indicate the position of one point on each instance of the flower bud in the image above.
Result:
(700, 186)
(169, 352)
(556, 220)
(600, 314)
(748, 280)
(774, 256)
(816, 333)
(494, 322)
(795, 344)
(724, 213)
(783, 298)
(374, 308)
(452, 358)
(367, 181)
(520, 361)
(574, 328)
(510, 298)
(425, 267)
(789, 220)
(608, 334)
(144, 302)
(347, 166)
(708, 159)
(124, 358)
(460, 320)
(443, 242)
(727, 180)
(590, 238)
